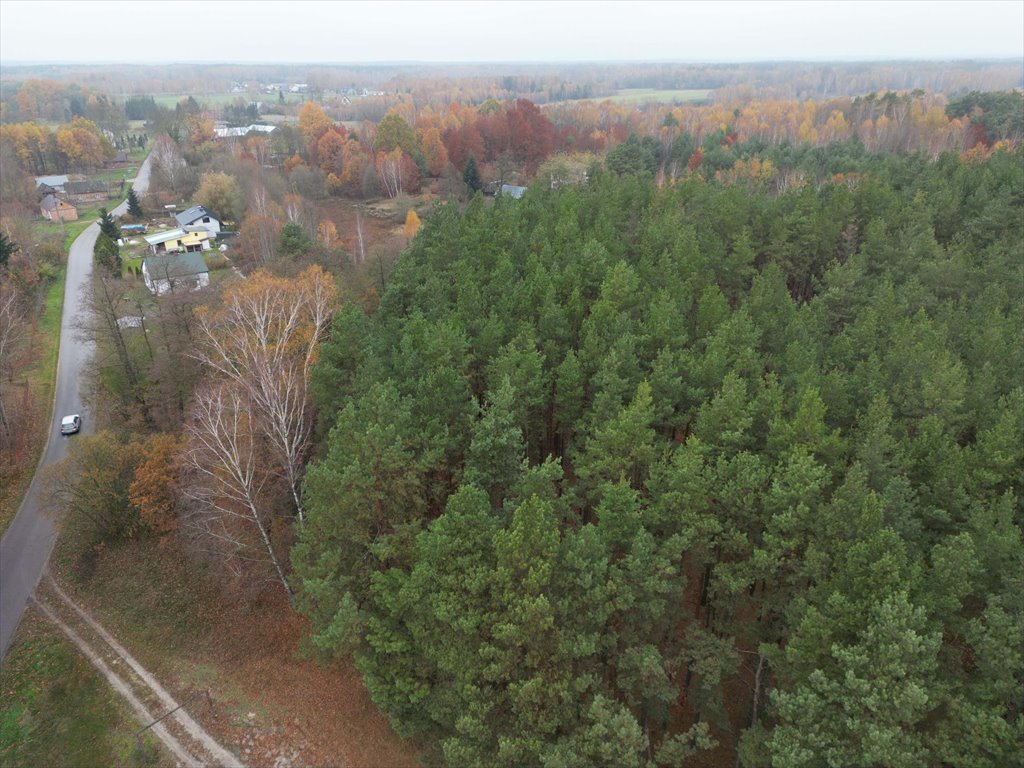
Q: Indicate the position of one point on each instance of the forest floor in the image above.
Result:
(239, 659)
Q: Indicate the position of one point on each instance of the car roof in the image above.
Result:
(70, 418)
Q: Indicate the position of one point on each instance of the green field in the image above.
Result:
(56, 710)
(222, 99)
(644, 95)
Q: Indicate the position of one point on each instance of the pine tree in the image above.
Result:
(107, 255)
(7, 248)
(472, 175)
(134, 206)
(107, 225)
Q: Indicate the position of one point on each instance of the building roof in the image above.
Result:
(227, 133)
(168, 265)
(194, 238)
(512, 191)
(85, 187)
(163, 237)
(52, 181)
(192, 214)
(50, 203)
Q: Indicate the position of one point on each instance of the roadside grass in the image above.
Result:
(56, 710)
(40, 378)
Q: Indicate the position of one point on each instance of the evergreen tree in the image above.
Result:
(108, 226)
(134, 206)
(107, 255)
(471, 175)
(7, 249)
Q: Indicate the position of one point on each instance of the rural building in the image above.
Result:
(52, 183)
(57, 210)
(80, 192)
(198, 218)
(237, 133)
(177, 240)
(174, 271)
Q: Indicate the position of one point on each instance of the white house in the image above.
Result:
(198, 218)
(174, 271)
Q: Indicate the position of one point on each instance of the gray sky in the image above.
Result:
(276, 31)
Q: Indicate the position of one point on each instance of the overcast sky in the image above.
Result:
(587, 30)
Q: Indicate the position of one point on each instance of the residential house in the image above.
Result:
(82, 192)
(57, 210)
(178, 240)
(198, 218)
(175, 271)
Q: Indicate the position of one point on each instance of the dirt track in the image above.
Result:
(190, 744)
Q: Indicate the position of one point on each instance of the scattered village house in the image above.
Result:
(175, 271)
(57, 210)
(178, 240)
(198, 218)
(80, 192)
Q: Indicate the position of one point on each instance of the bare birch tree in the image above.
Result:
(227, 480)
(264, 339)
(168, 163)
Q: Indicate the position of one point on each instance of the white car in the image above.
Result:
(70, 424)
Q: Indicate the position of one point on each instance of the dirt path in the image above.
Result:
(183, 736)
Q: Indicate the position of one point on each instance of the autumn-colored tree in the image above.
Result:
(397, 172)
(330, 151)
(412, 225)
(219, 192)
(394, 133)
(434, 152)
(313, 124)
(152, 490)
(327, 234)
(462, 143)
(82, 145)
(264, 338)
(257, 239)
(199, 128)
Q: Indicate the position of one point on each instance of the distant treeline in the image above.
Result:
(538, 82)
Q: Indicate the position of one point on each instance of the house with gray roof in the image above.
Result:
(198, 218)
(52, 183)
(185, 271)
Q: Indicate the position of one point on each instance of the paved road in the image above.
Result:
(26, 546)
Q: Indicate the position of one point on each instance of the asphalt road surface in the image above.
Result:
(26, 546)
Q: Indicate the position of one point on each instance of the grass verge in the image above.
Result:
(40, 378)
(56, 710)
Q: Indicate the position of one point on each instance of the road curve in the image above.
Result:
(26, 546)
